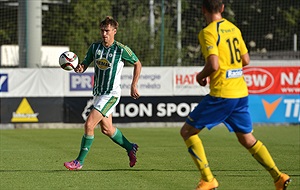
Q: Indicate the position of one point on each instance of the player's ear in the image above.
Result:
(222, 8)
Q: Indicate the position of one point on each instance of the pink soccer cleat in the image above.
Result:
(132, 155)
(73, 165)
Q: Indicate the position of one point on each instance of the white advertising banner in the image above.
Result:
(31, 83)
(55, 82)
(49, 55)
(185, 82)
(154, 81)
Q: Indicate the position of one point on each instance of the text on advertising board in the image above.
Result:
(3, 82)
(81, 82)
(185, 78)
(24, 113)
(273, 80)
(275, 108)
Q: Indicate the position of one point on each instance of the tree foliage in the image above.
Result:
(84, 28)
(266, 26)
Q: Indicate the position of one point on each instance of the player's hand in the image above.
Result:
(79, 68)
(201, 81)
(134, 92)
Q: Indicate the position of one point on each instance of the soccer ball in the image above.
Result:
(68, 60)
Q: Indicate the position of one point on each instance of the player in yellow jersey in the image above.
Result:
(225, 55)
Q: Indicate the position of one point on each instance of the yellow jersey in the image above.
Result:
(224, 39)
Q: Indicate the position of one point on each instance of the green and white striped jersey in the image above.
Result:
(109, 62)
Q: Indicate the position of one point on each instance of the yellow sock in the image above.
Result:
(262, 155)
(196, 150)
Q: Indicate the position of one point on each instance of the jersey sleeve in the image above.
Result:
(129, 55)
(208, 43)
(89, 57)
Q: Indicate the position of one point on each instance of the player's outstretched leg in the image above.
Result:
(197, 152)
(131, 148)
(260, 152)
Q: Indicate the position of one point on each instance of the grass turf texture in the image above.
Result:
(33, 159)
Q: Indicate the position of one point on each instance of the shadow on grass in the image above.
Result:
(139, 170)
(100, 170)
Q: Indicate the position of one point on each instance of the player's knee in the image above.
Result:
(89, 127)
(247, 142)
(184, 132)
(187, 131)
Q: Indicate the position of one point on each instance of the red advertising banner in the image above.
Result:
(272, 80)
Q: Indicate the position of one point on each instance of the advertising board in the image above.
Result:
(272, 80)
(168, 94)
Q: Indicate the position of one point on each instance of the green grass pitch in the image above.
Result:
(33, 159)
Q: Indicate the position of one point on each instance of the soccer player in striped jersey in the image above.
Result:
(108, 56)
(225, 55)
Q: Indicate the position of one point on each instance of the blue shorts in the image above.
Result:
(211, 111)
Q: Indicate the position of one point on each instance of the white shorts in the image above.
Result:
(106, 104)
